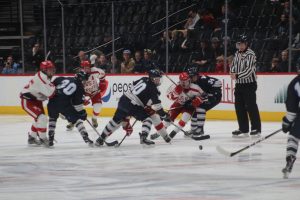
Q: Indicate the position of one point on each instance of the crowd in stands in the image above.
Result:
(200, 41)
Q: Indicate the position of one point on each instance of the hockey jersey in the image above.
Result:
(39, 88)
(209, 84)
(70, 92)
(96, 82)
(293, 99)
(144, 93)
(186, 94)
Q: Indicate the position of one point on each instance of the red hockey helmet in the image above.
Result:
(46, 65)
(184, 80)
(85, 63)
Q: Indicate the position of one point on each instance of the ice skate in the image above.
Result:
(99, 142)
(239, 134)
(70, 126)
(45, 142)
(33, 141)
(172, 134)
(87, 140)
(144, 140)
(167, 139)
(255, 133)
(289, 166)
(94, 122)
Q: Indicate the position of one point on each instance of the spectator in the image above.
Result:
(10, 66)
(36, 57)
(176, 40)
(282, 28)
(114, 64)
(286, 11)
(216, 48)
(139, 63)
(284, 62)
(102, 63)
(148, 63)
(81, 56)
(231, 48)
(128, 63)
(193, 18)
(274, 65)
(160, 46)
(202, 59)
(219, 67)
(221, 20)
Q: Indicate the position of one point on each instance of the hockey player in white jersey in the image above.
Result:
(95, 88)
(186, 97)
(32, 96)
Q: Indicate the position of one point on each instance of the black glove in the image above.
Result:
(286, 125)
(188, 105)
(166, 117)
(82, 115)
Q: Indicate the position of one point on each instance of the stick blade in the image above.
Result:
(202, 137)
(223, 151)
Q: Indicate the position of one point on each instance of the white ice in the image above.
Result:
(177, 171)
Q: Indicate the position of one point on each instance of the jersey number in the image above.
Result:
(68, 88)
(139, 87)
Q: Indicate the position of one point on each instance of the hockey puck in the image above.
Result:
(200, 147)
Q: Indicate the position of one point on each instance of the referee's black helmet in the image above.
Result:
(242, 38)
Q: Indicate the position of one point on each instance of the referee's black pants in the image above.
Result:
(245, 105)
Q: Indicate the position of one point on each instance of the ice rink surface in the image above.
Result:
(177, 171)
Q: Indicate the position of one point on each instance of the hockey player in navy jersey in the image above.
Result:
(291, 124)
(212, 96)
(68, 101)
(142, 102)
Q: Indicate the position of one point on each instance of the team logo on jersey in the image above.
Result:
(107, 97)
(281, 95)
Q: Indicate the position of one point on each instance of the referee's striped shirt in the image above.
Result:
(244, 64)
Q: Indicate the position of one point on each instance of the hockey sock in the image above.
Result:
(111, 127)
(80, 127)
(146, 127)
(51, 126)
(34, 131)
(292, 146)
(198, 119)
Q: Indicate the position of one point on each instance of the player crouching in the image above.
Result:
(68, 102)
(136, 102)
(32, 96)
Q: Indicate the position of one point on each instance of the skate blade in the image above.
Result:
(243, 135)
(286, 175)
(148, 145)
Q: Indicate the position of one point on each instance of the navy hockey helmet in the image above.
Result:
(82, 76)
(155, 75)
(192, 71)
(242, 38)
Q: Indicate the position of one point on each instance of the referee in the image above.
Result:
(243, 72)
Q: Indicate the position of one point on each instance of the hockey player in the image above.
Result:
(186, 97)
(142, 102)
(68, 101)
(291, 124)
(212, 88)
(32, 96)
(95, 88)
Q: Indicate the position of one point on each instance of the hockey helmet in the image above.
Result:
(82, 76)
(47, 64)
(184, 80)
(242, 39)
(192, 71)
(85, 63)
(48, 68)
(155, 75)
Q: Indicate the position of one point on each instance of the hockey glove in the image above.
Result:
(196, 102)
(166, 118)
(82, 115)
(149, 110)
(86, 102)
(178, 89)
(188, 105)
(286, 125)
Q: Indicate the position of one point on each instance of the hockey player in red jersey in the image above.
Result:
(32, 96)
(186, 97)
(95, 88)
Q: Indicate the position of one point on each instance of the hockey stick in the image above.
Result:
(202, 137)
(46, 58)
(118, 145)
(110, 144)
(230, 154)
